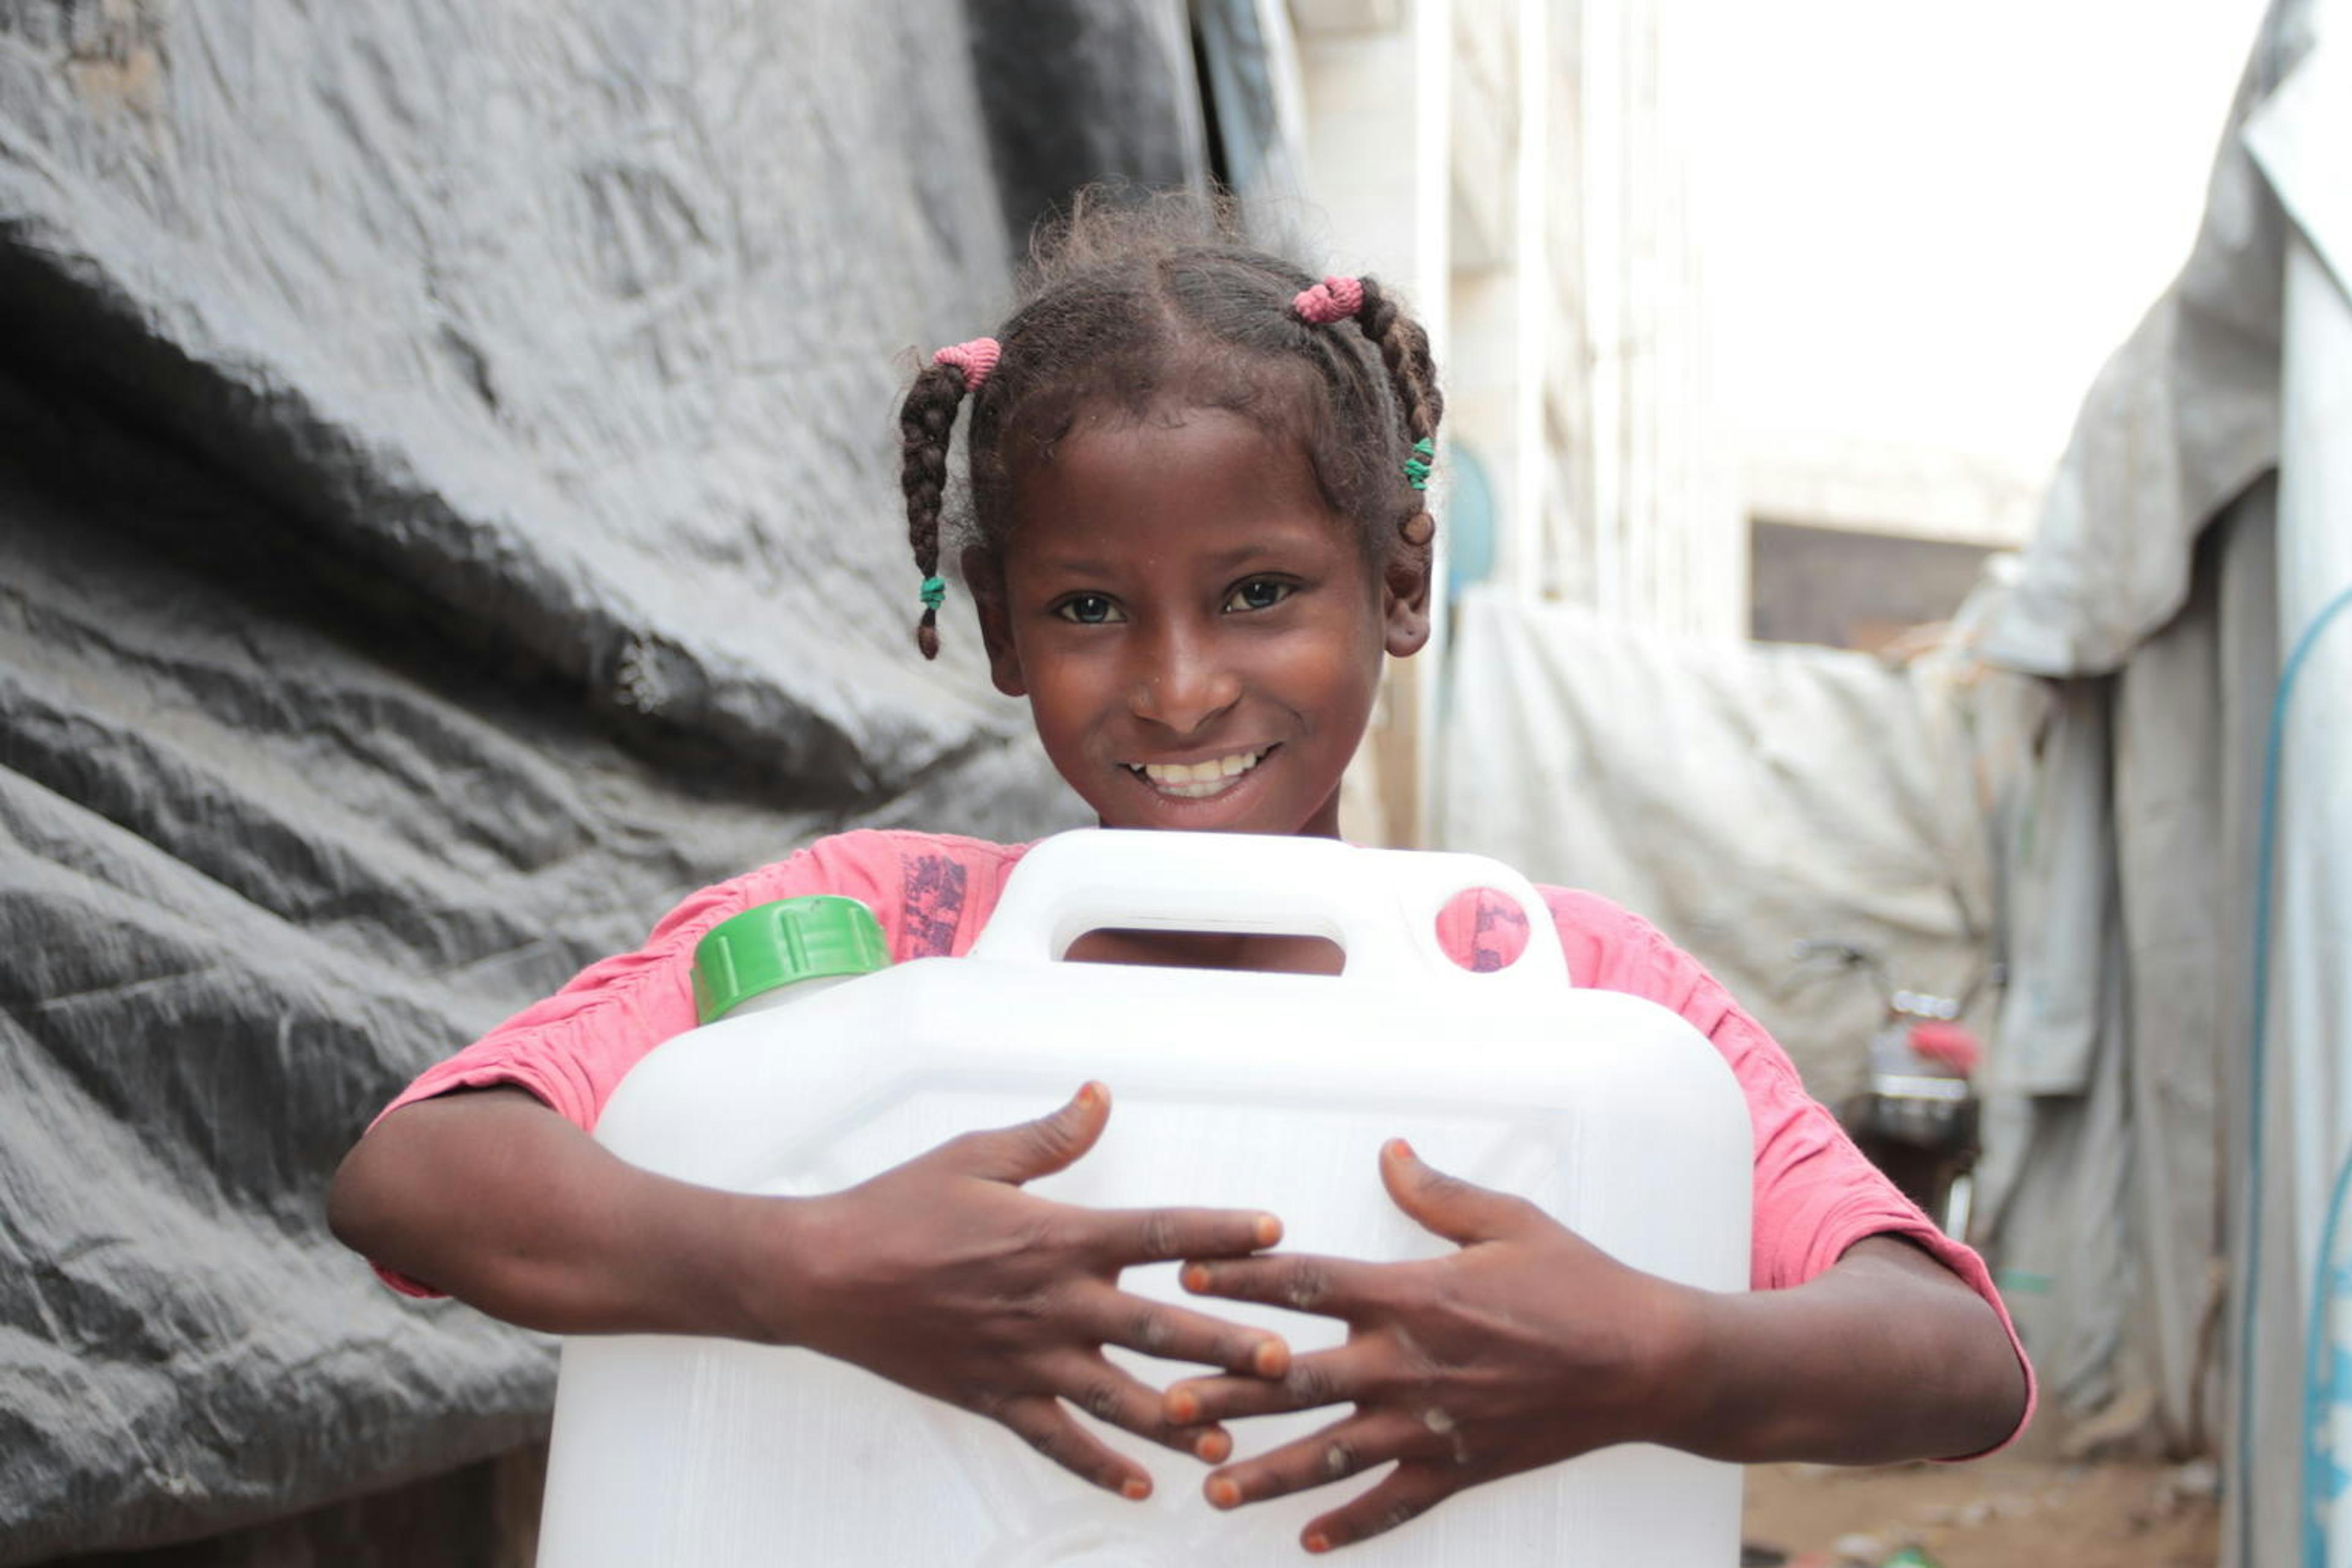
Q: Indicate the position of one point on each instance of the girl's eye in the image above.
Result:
(1087, 609)
(1259, 593)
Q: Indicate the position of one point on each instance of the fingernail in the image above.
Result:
(1184, 1408)
(1399, 1148)
(1213, 1447)
(1222, 1493)
(1271, 1359)
(1269, 1230)
(1135, 1489)
(1195, 1278)
(1092, 1095)
(1316, 1543)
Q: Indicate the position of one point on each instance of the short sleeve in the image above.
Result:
(573, 1050)
(1816, 1195)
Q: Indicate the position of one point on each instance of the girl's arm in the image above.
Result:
(1529, 1345)
(941, 1275)
(1887, 1356)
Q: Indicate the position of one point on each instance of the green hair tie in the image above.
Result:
(935, 593)
(1417, 467)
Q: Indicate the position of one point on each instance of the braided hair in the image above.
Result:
(1124, 306)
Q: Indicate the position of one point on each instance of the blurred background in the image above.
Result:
(1892, 497)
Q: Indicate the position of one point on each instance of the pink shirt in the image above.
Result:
(1816, 1195)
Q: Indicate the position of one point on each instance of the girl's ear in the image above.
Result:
(987, 585)
(1405, 594)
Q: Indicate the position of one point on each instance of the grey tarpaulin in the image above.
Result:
(448, 510)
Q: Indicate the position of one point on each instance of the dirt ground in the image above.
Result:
(2002, 1513)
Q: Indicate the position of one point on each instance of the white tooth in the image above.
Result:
(1196, 779)
(1195, 789)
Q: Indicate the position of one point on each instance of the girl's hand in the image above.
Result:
(1527, 1346)
(944, 1276)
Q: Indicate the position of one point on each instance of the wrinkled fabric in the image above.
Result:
(1743, 797)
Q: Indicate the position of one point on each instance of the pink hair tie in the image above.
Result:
(976, 359)
(1333, 300)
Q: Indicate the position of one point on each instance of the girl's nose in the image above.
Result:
(1180, 685)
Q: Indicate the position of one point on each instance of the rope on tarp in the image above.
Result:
(2321, 1475)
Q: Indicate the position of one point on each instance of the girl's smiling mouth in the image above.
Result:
(1200, 780)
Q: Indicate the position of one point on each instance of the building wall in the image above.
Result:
(1576, 366)
(1845, 589)
(1519, 167)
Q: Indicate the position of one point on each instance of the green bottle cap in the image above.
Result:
(784, 943)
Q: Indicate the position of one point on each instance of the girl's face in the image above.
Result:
(1198, 632)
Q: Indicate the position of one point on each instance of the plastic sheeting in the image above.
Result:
(448, 510)
(574, 319)
(2296, 1292)
(1740, 797)
(2103, 1188)
(2216, 1103)
(2180, 420)
(2297, 1261)
(252, 877)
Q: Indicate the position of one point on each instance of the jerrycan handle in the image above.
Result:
(1380, 906)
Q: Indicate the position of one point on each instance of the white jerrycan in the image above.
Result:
(1252, 1091)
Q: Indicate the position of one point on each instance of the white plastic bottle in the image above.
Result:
(1269, 1091)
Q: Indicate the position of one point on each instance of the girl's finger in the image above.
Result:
(1462, 1212)
(1045, 1425)
(1406, 1494)
(1092, 1384)
(1029, 1149)
(1124, 1237)
(1177, 1333)
(1337, 1451)
(1333, 1287)
(1339, 1377)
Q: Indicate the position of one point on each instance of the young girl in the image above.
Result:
(1195, 533)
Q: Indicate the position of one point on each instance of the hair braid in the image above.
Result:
(1413, 376)
(1404, 349)
(926, 427)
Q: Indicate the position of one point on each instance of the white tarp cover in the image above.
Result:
(2156, 559)
(1739, 797)
(2296, 1290)
(448, 509)
(1745, 796)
